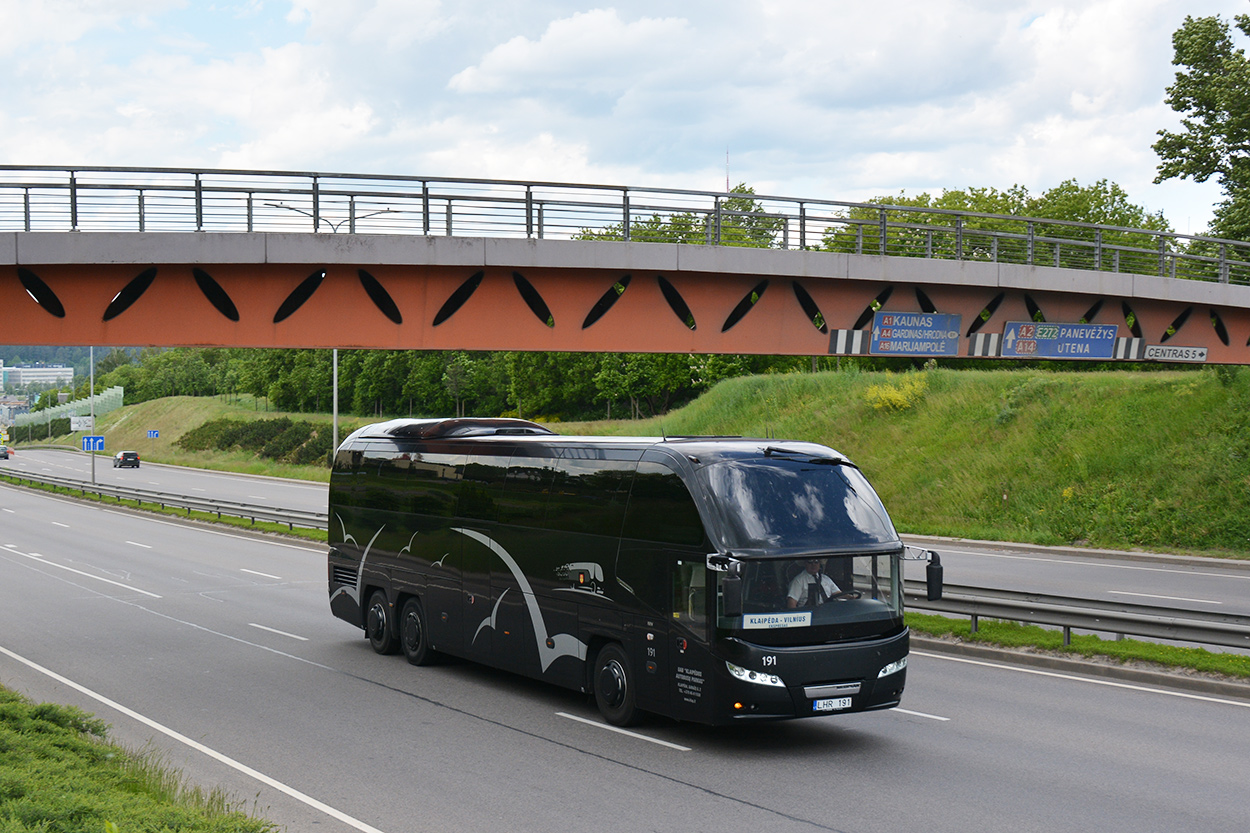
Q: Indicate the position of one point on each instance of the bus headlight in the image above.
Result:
(757, 677)
(893, 668)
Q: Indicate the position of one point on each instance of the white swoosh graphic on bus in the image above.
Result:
(562, 644)
(489, 621)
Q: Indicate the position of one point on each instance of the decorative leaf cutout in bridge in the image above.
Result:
(677, 303)
(215, 294)
(533, 300)
(745, 305)
(601, 307)
(40, 292)
(986, 314)
(810, 309)
(869, 311)
(299, 295)
(130, 293)
(458, 298)
(380, 297)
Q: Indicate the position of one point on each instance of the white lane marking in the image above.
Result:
(280, 633)
(919, 714)
(1090, 680)
(258, 497)
(199, 747)
(1100, 563)
(37, 557)
(137, 544)
(58, 523)
(10, 511)
(253, 572)
(1169, 598)
(620, 731)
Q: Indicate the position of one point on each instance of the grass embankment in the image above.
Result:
(1121, 460)
(172, 417)
(59, 774)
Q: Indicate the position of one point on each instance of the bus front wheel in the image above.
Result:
(614, 686)
(413, 636)
(378, 624)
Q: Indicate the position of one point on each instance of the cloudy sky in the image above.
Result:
(827, 99)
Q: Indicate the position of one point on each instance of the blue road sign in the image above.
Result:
(1031, 340)
(92, 443)
(915, 334)
(153, 434)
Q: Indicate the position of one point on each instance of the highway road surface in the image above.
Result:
(219, 650)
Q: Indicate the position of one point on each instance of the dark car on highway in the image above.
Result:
(123, 459)
(4, 452)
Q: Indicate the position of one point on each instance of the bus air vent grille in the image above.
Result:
(345, 575)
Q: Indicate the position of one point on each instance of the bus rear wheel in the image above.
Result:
(614, 686)
(414, 638)
(378, 624)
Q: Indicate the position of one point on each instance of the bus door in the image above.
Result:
(663, 560)
(691, 657)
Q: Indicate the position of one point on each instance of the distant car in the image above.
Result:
(122, 459)
(4, 452)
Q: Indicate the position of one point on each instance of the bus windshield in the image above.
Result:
(780, 503)
(816, 598)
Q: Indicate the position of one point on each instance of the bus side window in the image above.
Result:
(480, 488)
(661, 508)
(690, 592)
(661, 525)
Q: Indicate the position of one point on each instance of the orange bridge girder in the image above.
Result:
(444, 293)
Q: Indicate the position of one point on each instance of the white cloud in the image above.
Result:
(822, 99)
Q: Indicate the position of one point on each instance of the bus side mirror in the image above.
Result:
(731, 587)
(933, 577)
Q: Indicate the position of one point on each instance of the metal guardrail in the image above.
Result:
(291, 517)
(1120, 618)
(86, 198)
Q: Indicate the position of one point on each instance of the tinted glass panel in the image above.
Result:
(661, 508)
(589, 496)
(432, 483)
(481, 486)
(524, 500)
(783, 503)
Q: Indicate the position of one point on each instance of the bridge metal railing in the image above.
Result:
(1120, 618)
(43, 198)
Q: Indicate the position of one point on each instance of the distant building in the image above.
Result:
(53, 375)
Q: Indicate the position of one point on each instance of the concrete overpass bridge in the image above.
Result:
(113, 256)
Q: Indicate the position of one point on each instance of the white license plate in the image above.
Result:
(831, 705)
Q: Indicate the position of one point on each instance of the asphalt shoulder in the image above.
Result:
(1135, 673)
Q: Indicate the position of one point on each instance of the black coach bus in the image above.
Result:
(706, 579)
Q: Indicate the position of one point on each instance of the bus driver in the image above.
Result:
(811, 587)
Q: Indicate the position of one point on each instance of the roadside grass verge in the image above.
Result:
(60, 774)
(1018, 636)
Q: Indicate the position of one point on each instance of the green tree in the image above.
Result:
(1009, 226)
(740, 221)
(1213, 94)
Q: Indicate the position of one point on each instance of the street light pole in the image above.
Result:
(91, 394)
